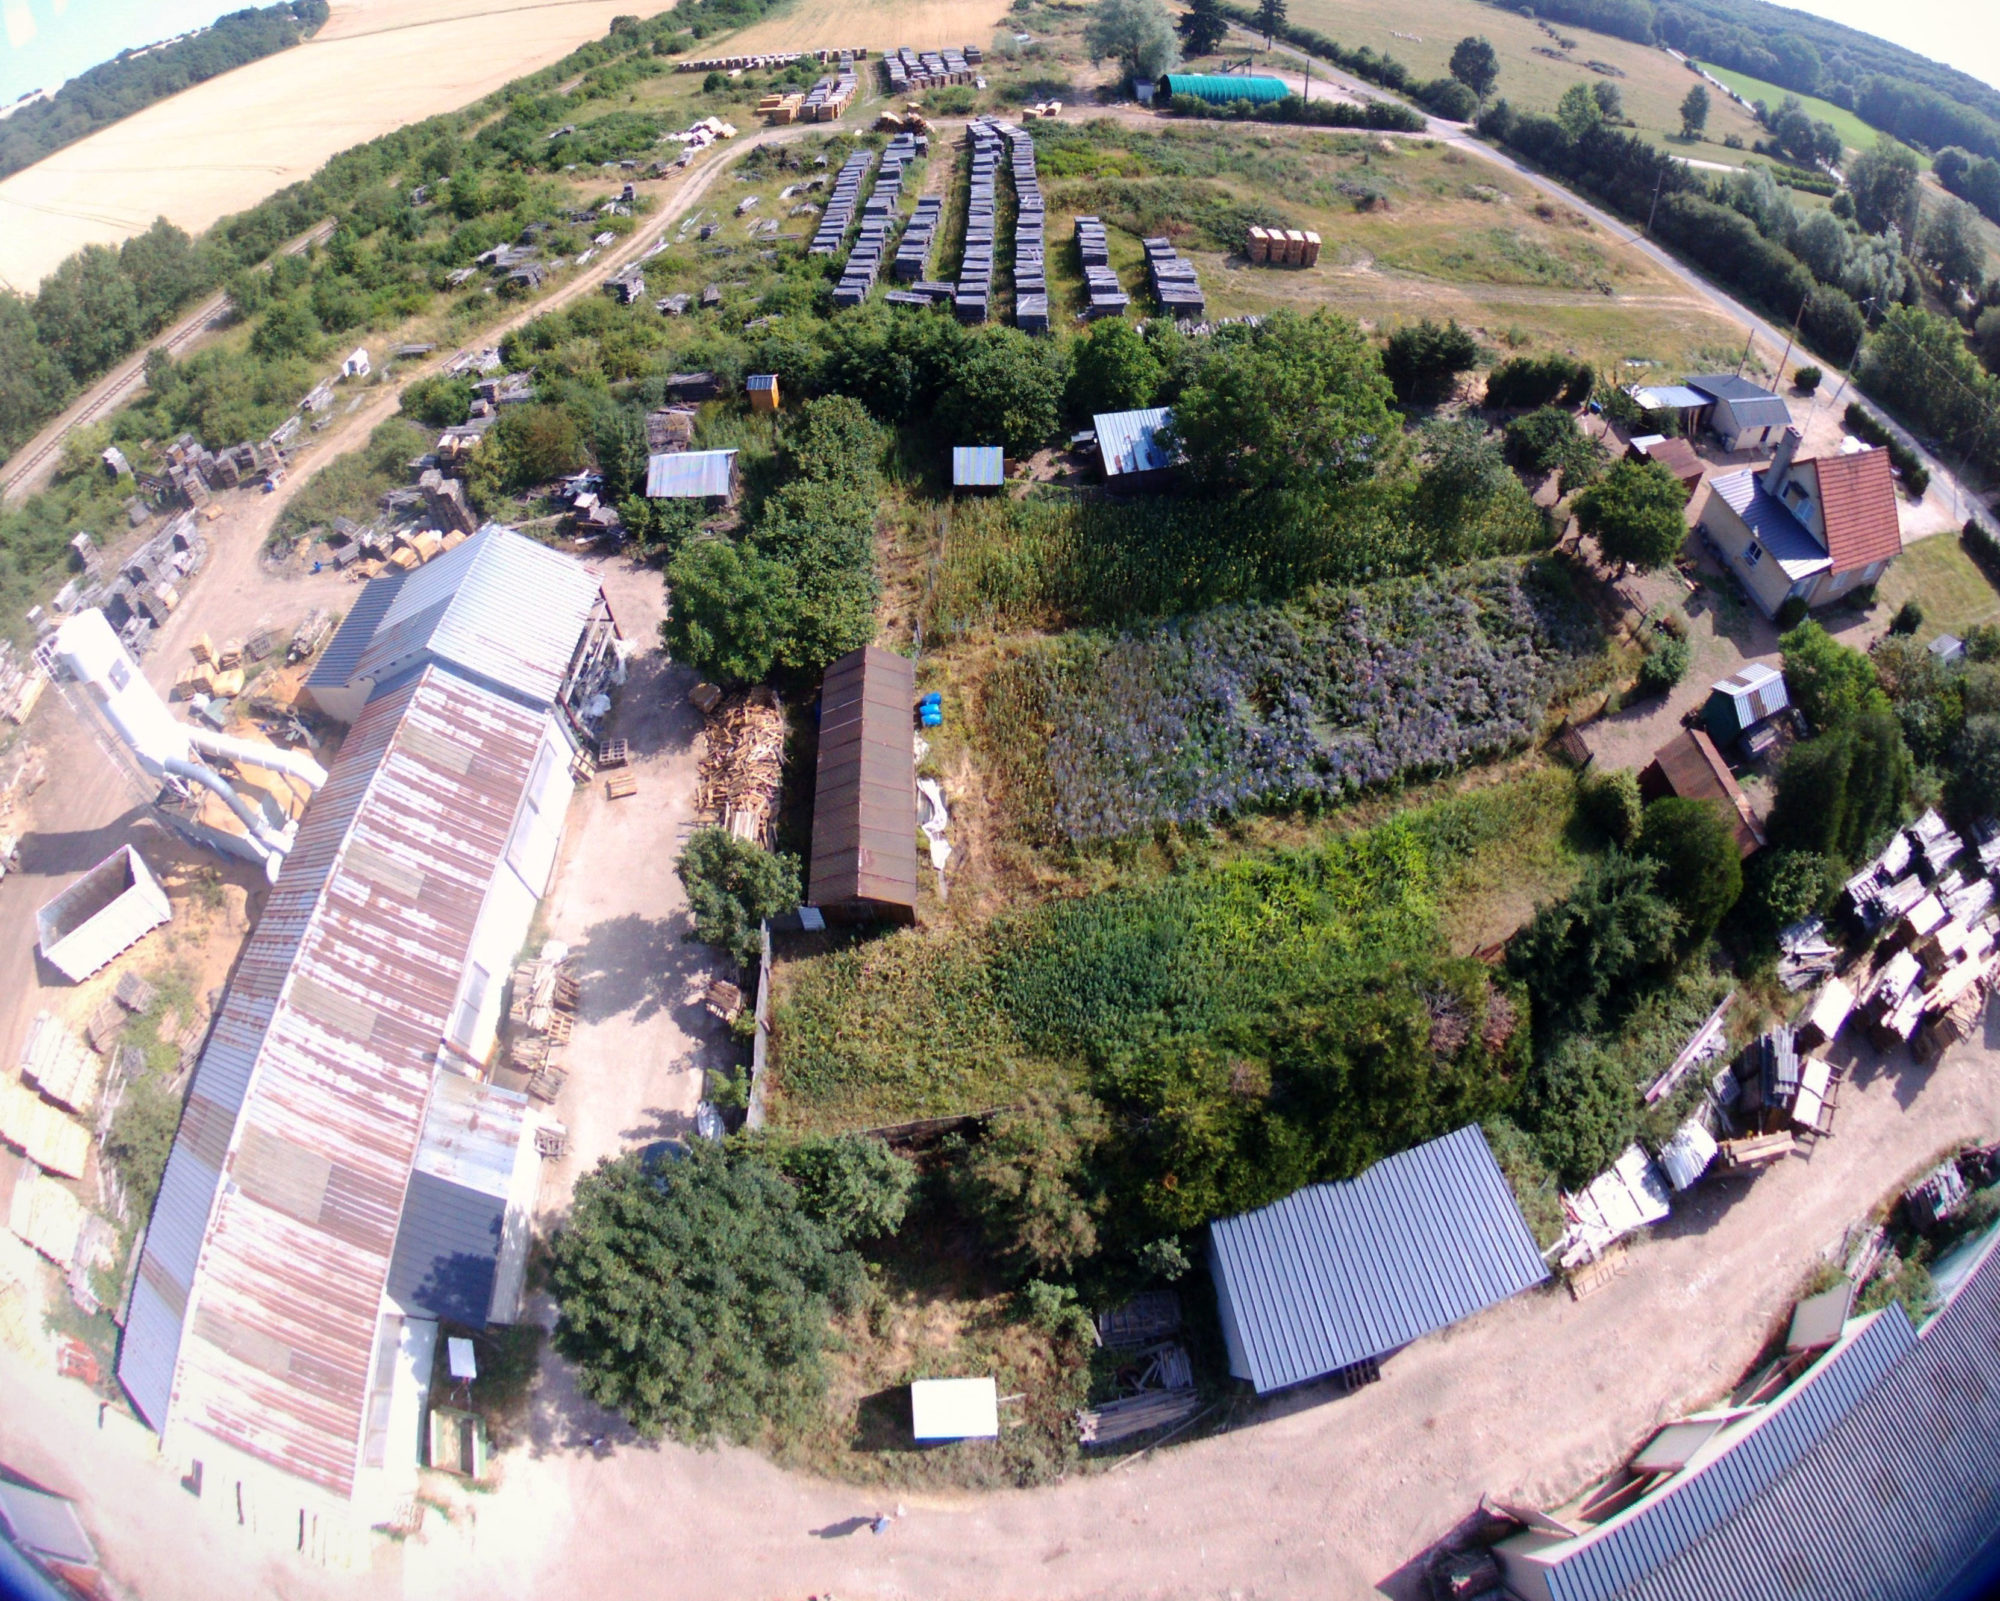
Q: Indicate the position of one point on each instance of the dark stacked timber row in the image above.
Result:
(1175, 285)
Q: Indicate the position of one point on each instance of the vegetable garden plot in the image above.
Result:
(1247, 709)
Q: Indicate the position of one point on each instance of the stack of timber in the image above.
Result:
(1175, 284)
(830, 97)
(1031, 282)
(742, 764)
(878, 220)
(1282, 247)
(59, 1064)
(1093, 248)
(841, 204)
(974, 294)
(1154, 1375)
(913, 250)
(907, 69)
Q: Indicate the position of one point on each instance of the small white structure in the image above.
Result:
(954, 1409)
(112, 907)
(356, 365)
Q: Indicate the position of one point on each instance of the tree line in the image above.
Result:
(135, 79)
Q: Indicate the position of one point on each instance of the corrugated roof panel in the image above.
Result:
(337, 663)
(1129, 440)
(447, 1251)
(1728, 386)
(1337, 1273)
(275, 1356)
(500, 608)
(1669, 397)
(1785, 539)
(978, 466)
(691, 475)
(865, 796)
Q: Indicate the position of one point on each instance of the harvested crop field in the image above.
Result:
(873, 25)
(226, 144)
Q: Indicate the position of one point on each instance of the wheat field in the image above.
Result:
(874, 25)
(226, 144)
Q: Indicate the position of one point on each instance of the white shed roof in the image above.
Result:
(954, 1409)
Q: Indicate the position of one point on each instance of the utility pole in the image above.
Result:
(1655, 210)
(1793, 335)
(1747, 346)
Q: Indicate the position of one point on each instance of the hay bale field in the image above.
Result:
(226, 144)
(874, 25)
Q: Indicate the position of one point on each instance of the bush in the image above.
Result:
(733, 886)
(1829, 682)
(1026, 1182)
(1541, 441)
(1423, 361)
(1580, 1107)
(440, 401)
(141, 1138)
(1611, 805)
(1974, 785)
(1909, 617)
(1915, 475)
(1788, 886)
(1450, 99)
(1611, 931)
(852, 1183)
(1637, 513)
(693, 1296)
(1665, 665)
(1528, 381)
(1838, 793)
(1807, 379)
(1791, 613)
(1701, 868)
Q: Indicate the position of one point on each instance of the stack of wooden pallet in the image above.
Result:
(743, 764)
(1155, 1378)
(542, 1012)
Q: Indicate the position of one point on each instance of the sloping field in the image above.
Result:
(228, 143)
(1854, 133)
(873, 25)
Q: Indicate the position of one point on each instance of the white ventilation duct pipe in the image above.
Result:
(256, 754)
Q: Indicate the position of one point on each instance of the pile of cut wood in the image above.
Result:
(1155, 1380)
(542, 1011)
(743, 763)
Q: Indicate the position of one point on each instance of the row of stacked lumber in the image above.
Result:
(1176, 286)
(1093, 248)
(1031, 282)
(841, 204)
(878, 220)
(975, 271)
(907, 69)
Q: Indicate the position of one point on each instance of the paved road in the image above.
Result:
(35, 462)
(1331, 83)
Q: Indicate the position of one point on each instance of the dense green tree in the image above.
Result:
(1637, 514)
(528, 446)
(1009, 391)
(1423, 360)
(824, 535)
(618, 441)
(1026, 1181)
(165, 269)
(1786, 886)
(729, 611)
(693, 1297)
(1610, 100)
(1701, 868)
(1114, 369)
(1581, 1107)
(1918, 363)
(1839, 793)
(733, 887)
(1541, 441)
(1694, 113)
(1287, 402)
(1579, 112)
(1476, 64)
(1610, 932)
(833, 439)
(1203, 27)
(440, 401)
(1465, 496)
(1928, 697)
(32, 381)
(853, 1183)
(1951, 246)
(1270, 19)
(1974, 783)
(1827, 680)
(1138, 34)
(1610, 802)
(289, 327)
(87, 312)
(1883, 182)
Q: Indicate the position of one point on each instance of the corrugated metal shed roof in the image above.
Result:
(448, 1246)
(1677, 1543)
(978, 466)
(1129, 443)
(1756, 691)
(1669, 397)
(312, 1092)
(1785, 539)
(1759, 411)
(337, 663)
(500, 608)
(1337, 1273)
(864, 838)
(691, 475)
(45, 1524)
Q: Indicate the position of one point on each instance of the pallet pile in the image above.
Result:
(841, 204)
(742, 764)
(878, 220)
(1093, 248)
(973, 295)
(1154, 1374)
(542, 1010)
(1031, 282)
(830, 97)
(1175, 284)
(907, 69)
(1282, 247)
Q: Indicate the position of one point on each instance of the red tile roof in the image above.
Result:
(1858, 500)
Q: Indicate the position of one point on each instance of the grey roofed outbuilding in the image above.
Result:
(1129, 441)
(1872, 1479)
(691, 475)
(978, 466)
(45, 1524)
(864, 833)
(1335, 1274)
(1729, 386)
(1760, 411)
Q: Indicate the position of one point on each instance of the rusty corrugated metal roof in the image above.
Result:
(864, 839)
(327, 1043)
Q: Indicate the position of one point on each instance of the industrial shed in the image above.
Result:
(113, 906)
(1338, 1275)
(864, 838)
(1130, 447)
(1220, 89)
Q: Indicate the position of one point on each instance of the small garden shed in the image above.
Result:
(1742, 701)
(864, 834)
(979, 468)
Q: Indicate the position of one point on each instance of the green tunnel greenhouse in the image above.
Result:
(1220, 88)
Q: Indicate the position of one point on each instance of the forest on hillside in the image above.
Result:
(135, 79)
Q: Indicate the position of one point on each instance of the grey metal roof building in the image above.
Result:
(1336, 1274)
(864, 836)
(978, 466)
(1873, 1478)
(501, 609)
(691, 475)
(1129, 444)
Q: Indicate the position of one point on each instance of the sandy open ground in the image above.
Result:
(226, 144)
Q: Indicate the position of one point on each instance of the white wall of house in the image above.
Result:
(1760, 571)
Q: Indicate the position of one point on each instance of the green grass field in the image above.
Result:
(1946, 582)
(1854, 133)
